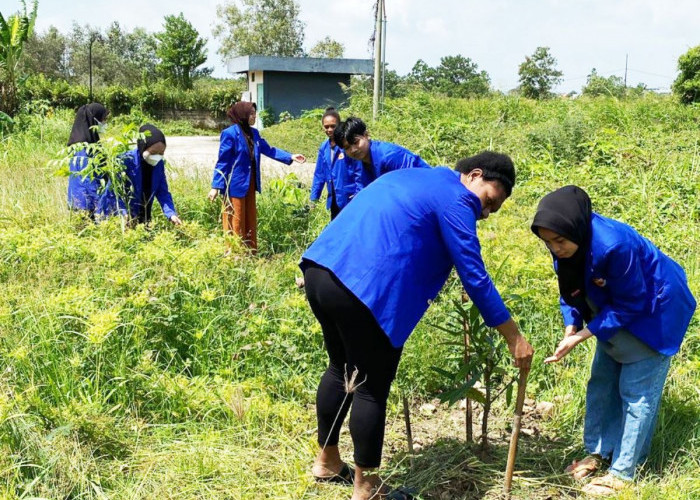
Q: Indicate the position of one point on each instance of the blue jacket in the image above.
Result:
(82, 193)
(394, 246)
(386, 156)
(337, 173)
(109, 205)
(638, 288)
(232, 171)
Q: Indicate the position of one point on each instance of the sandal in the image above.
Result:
(583, 468)
(401, 493)
(345, 476)
(604, 486)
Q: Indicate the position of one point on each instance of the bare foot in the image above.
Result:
(368, 486)
(584, 468)
(328, 463)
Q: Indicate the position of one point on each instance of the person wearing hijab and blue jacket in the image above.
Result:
(635, 300)
(334, 169)
(369, 278)
(144, 169)
(376, 157)
(237, 172)
(83, 191)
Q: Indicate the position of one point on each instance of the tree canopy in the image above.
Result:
(181, 51)
(687, 85)
(455, 76)
(327, 48)
(262, 27)
(539, 74)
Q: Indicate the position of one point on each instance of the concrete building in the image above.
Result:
(296, 84)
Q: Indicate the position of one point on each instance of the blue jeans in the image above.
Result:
(622, 403)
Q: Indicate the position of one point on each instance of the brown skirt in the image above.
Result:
(240, 216)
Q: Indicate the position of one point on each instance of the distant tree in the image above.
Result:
(459, 76)
(134, 53)
(14, 34)
(46, 53)
(538, 74)
(455, 76)
(119, 57)
(423, 75)
(687, 85)
(327, 48)
(181, 51)
(261, 27)
(596, 85)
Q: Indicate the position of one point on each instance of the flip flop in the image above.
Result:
(345, 476)
(401, 493)
(604, 486)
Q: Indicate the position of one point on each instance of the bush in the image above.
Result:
(215, 96)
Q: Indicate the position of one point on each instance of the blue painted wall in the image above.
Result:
(298, 92)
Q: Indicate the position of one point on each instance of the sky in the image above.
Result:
(495, 34)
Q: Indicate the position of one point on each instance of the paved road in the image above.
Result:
(197, 155)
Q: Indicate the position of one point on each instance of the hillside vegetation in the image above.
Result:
(142, 364)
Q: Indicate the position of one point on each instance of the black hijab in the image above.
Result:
(87, 116)
(154, 136)
(567, 211)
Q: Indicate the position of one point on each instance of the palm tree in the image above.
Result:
(14, 32)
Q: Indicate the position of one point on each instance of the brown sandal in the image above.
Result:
(583, 468)
(604, 486)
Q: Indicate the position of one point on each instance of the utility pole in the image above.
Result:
(93, 37)
(626, 56)
(378, 40)
(381, 96)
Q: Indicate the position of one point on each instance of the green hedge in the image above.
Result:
(212, 96)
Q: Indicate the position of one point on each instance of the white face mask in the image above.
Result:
(101, 127)
(152, 159)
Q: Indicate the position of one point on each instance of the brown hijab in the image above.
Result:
(240, 114)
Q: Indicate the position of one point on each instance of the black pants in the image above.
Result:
(335, 209)
(353, 340)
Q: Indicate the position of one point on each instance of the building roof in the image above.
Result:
(244, 64)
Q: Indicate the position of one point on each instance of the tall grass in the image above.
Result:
(144, 365)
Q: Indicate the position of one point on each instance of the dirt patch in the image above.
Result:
(443, 466)
(196, 156)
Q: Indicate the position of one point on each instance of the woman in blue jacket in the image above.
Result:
(237, 173)
(83, 190)
(144, 171)
(371, 275)
(377, 157)
(636, 302)
(334, 169)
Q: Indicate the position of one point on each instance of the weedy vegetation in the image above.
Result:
(142, 364)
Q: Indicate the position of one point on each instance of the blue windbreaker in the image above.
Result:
(109, 204)
(232, 171)
(638, 288)
(82, 193)
(394, 246)
(386, 156)
(337, 173)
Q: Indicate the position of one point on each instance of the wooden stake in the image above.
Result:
(513, 448)
(407, 419)
(468, 405)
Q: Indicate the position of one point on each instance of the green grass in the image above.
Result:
(144, 365)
